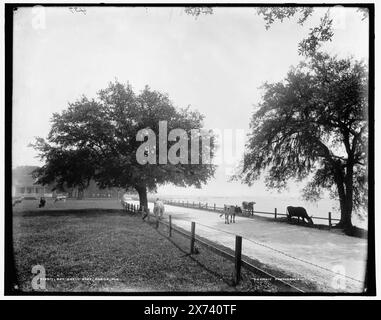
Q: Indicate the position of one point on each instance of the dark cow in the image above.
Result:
(42, 202)
(299, 212)
(237, 209)
(248, 207)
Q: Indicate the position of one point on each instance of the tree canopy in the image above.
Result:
(314, 124)
(317, 35)
(97, 138)
(323, 32)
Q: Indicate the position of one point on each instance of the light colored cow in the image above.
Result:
(60, 197)
(17, 200)
(229, 211)
(158, 209)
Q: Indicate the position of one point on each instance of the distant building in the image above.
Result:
(23, 184)
(93, 191)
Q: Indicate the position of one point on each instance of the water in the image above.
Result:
(269, 203)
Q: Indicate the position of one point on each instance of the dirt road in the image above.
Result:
(335, 262)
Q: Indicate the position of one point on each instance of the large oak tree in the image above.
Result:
(314, 124)
(97, 139)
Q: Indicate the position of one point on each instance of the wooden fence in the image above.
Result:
(213, 207)
(131, 208)
(236, 258)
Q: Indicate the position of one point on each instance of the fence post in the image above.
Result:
(214, 207)
(199, 204)
(238, 261)
(192, 237)
(329, 220)
(275, 212)
(170, 226)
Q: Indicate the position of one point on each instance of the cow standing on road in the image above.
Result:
(299, 212)
(158, 209)
(230, 211)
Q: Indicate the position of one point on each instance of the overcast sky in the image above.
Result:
(215, 63)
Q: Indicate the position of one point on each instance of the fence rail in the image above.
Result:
(236, 258)
(213, 207)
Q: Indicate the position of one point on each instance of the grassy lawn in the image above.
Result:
(108, 250)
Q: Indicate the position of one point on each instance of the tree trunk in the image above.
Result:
(346, 214)
(348, 227)
(345, 190)
(79, 193)
(142, 191)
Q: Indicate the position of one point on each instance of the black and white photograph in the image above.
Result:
(189, 149)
